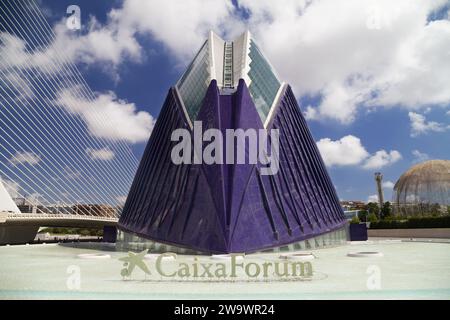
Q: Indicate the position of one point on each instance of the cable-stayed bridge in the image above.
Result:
(58, 220)
(60, 159)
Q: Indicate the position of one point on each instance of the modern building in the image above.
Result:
(222, 208)
(424, 189)
(353, 205)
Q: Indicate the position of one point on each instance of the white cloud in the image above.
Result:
(12, 51)
(372, 53)
(25, 158)
(12, 187)
(426, 110)
(19, 88)
(388, 184)
(116, 40)
(98, 45)
(119, 119)
(100, 154)
(419, 125)
(419, 156)
(121, 199)
(71, 173)
(346, 151)
(381, 159)
(349, 151)
(310, 113)
(170, 23)
(373, 198)
(335, 51)
(36, 199)
(101, 43)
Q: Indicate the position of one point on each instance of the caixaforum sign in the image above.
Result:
(235, 267)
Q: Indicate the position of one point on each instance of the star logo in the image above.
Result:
(134, 260)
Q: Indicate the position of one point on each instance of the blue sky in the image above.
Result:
(377, 74)
(146, 85)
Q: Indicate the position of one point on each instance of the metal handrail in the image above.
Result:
(55, 216)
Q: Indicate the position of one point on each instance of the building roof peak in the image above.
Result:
(245, 33)
(227, 62)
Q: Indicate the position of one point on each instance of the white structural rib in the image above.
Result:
(42, 40)
(183, 107)
(6, 202)
(240, 61)
(65, 146)
(244, 66)
(52, 133)
(73, 70)
(275, 105)
(227, 63)
(212, 55)
(49, 84)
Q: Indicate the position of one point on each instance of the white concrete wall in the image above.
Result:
(216, 47)
(240, 60)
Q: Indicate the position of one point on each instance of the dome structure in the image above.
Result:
(424, 189)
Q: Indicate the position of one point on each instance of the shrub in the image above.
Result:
(429, 222)
(372, 217)
(84, 232)
(80, 231)
(389, 224)
(413, 223)
(355, 220)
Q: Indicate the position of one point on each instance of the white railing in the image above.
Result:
(39, 216)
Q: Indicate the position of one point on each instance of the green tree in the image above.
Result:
(435, 210)
(373, 207)
(386, 210)
(362, 215)
(372, 217)
(84, 232)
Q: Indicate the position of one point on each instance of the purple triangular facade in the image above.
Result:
(224, 208)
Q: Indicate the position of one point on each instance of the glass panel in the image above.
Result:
(264, 85)
(194, 82)
(128, 241)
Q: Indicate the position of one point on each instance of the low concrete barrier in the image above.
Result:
(411, 233)
(17, 234)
